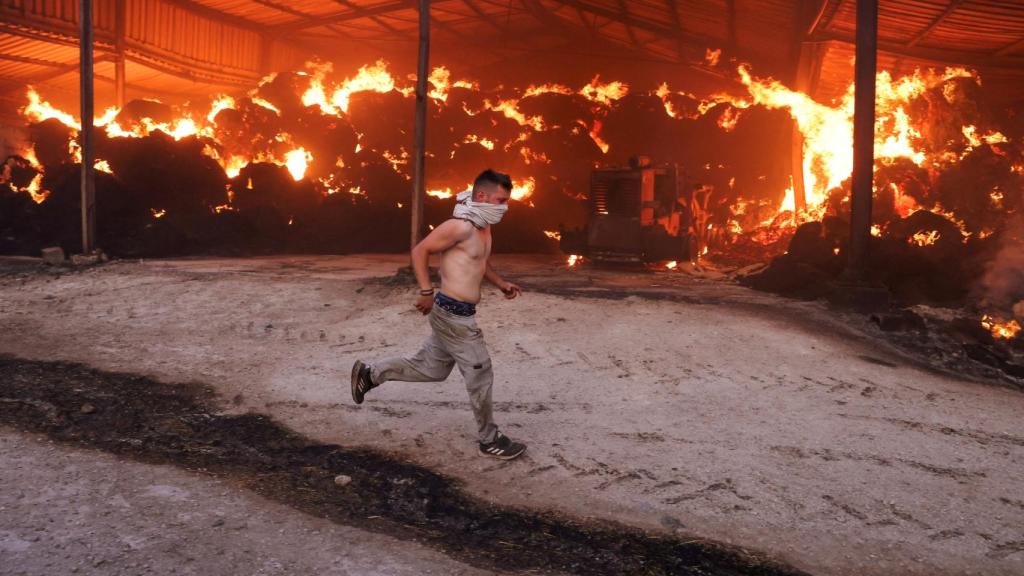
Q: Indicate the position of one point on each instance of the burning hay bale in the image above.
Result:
(309, 160)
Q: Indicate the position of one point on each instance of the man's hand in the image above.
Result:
(424, 303)
(511, 290)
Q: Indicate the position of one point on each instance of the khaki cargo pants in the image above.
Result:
(453, 340)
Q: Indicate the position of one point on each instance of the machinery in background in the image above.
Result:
(637, 214)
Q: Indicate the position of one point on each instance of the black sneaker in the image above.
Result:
(503, 448)
(361, 381)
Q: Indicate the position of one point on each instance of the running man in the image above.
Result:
(464, 243)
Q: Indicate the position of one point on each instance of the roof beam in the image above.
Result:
(378, 20)
(673, 11)
(825, 20)
(351, 14)
(1010, 48)
(484, 16)
(624, 11)
(733, 39)
(622, 18)
(980, 60)
(935, 23)
(218, 16)
(33, 61)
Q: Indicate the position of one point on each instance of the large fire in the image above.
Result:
(241, 130)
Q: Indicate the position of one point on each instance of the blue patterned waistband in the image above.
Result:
(457, 307)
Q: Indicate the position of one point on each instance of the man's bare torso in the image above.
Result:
(463, 265)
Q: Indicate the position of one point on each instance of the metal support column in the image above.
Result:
(86, 139)
(863, 137)
(419, 156)
(119, 33)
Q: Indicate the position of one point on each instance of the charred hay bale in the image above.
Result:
(967, 187)
(17, 171)
(940, 239)
(121, 212)
(376, 178)
(260, 126)
(172, 175)
(384, 119)
(350, 223)
(20, 226)
(787, 276)
(810, 246)
(328, 138)
(262, 185)
(50, 139)
(157, 238)
(260, 229)
(916, 274)
(136, 111)
(836, 231)
(900, 185)
(284, 92)
(557, 108)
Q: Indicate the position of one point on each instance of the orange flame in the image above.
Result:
(440, 193)
(923, 238)
(39, 110)
(1003, 330)
(297, 161)
(604, 93)
(524, 190)
(374, 78)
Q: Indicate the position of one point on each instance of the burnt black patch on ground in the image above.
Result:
(138, 418)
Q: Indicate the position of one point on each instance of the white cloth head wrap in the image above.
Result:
(481, 214)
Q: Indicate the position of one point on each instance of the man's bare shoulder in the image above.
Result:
(457, 227)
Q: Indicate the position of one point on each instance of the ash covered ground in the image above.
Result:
(683, 407)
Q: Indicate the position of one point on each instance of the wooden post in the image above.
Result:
(863, 137)
(419, 156)
(119, 33)
(86, 140)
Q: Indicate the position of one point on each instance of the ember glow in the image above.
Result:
(924, 238)
(1003, 330)
(297, 162)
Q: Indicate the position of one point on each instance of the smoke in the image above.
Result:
(1001, 288)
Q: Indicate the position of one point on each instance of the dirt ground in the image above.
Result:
(686, 406)
(67, 511)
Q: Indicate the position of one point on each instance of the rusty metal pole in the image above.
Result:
(419, 158)
(863, 137)
(86, 139)
(119, 34)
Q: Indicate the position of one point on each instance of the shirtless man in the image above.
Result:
(464, 243)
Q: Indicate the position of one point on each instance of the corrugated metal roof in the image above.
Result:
(195, 44)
